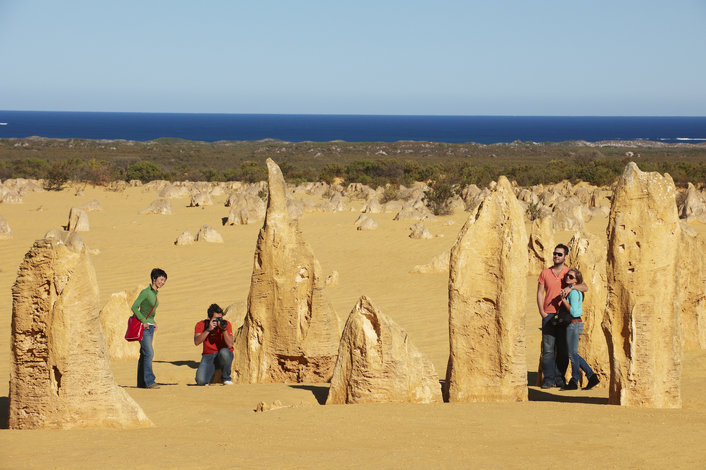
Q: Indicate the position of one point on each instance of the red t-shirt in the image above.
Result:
(552, 288)
(214, 342)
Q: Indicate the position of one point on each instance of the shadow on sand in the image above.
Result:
(4, 412)
(320, 393)
(539, 395)
(191, 364)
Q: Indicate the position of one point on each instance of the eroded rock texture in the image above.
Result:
(113, 317)
(487, 291)
(692, 288)
(642, 317)
(587, 253)
(59, 371)
(290, 333)
(378, 364)
(541, 245)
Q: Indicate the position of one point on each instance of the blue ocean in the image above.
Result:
(352, 128)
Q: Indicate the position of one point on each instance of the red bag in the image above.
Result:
(135, 328)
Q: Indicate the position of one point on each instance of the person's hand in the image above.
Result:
(212, 324)
(145, 326)
(565, 292)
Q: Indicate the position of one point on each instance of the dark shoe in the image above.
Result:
(154, 386)
(571, 385)
(592, 382)
(545, 386)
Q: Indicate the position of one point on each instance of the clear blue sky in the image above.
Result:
(503, 57)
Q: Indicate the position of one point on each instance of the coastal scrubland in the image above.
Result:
(374, 163)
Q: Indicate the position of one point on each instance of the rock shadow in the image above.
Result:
(532, 378)
(4, 412)
(540, 395)
(320, 392)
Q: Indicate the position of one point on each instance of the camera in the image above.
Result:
(222, 324)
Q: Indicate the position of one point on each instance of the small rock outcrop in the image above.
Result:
(60, 376)
(378, 364)
(185, 239)
(291, 332)
(642, 317)
(158, 206)
(113, 317)
(200, 200)
(693, 205)
(438, 264)
(419, 231)
(91, 206)
(78, 220)
(5, 230)
(208, 234)
(487, 290)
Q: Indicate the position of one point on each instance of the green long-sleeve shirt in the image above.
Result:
(146, 301)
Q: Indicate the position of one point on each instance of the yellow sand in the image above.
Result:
(199, 427)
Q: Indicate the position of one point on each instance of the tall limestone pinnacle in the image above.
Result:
(60, 375)
(641, 322)
(290, 332)
(487, 291)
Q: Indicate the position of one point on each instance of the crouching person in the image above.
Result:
(216, 335)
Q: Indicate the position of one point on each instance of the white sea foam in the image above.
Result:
(3, 124)
(691, 138)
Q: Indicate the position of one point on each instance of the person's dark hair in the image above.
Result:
(214, 308)
(577, 275)
(157, 272)
(563, 247)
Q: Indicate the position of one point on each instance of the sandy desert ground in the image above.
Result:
(209, 427)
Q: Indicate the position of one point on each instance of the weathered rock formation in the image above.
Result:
(113, 317)
(541, 245)
(692, 288)
(438, 264)
(59, 371)
(5, 230)
(378, 364)
(419, 231)
(186, 238)
(290, 333)
(642, 317)
(200, 200)
(159, 206)
(587, 253)
(91, 206)
(78, 220)
(487, 291)
(693, 205)
(208, 234)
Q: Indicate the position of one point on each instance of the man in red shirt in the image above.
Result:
(549, 295)
(216, 335)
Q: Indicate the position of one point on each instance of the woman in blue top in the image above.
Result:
(574, 303)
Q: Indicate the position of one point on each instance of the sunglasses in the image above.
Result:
(558, 253)
(570, 276)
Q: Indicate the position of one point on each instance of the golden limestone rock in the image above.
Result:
(378, 364)
(487, 292)
(59, 370)
(290, 332)
(692, 291)
(113, 317)
(587, 253)
(78, 220)
(642, 317)
(541, 245)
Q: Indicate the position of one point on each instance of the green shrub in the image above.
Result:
(437, 196)
(144, 171)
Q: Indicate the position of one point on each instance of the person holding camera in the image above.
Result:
(216, 335)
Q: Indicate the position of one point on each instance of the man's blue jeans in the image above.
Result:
(223, 359)
(145, 376)
(554, 353)
(573, 331)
